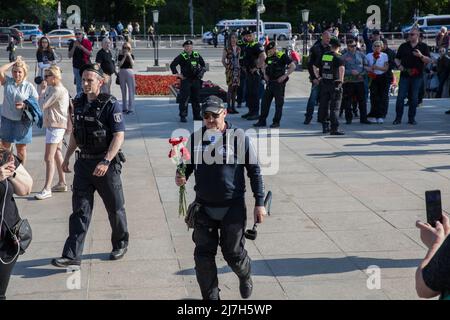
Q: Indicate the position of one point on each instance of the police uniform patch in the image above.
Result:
(118, 117)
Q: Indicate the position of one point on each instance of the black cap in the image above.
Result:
(245, 32)
(188, 42)
(334, 42)
(213, 104)
(94, 67)
(375, 31)
(270, 45)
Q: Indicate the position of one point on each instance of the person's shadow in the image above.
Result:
(40, 268)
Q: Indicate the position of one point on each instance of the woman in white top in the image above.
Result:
(55, 103)
(378, 65)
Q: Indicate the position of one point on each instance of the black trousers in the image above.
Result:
(5, 275)
(242, 92)
(443, 76)
(252, 87)
(190, 89)
(273, 90)
(329, 104)
(354, 89)
(231, 240)
(379, 96)
(109, 187)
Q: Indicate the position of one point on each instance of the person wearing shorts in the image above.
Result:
(54, 100)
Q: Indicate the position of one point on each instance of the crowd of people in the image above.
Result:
(341, 82)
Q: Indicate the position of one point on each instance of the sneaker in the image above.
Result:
(60, 187)
(44, 194)
(380, 121)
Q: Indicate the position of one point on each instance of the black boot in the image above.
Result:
(325, 127)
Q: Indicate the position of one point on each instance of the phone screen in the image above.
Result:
(434, 206)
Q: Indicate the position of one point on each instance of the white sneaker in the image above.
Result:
(44, 194)
(380, 121)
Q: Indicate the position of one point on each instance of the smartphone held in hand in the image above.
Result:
(434, 206)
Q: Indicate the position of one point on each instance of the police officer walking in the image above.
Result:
(98, 131)
(220, 191)
(254, 57)
(331, 76)
(276, 78)
(192, 69)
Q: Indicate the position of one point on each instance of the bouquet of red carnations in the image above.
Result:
(179, 154)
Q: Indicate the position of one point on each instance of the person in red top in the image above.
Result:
(80, 52)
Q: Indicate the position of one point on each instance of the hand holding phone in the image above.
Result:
(434, 207)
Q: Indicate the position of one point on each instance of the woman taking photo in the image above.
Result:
(230, 60)
(16, 91)
(14, 179)
(44, 55)
(55, 104)
(126, 76)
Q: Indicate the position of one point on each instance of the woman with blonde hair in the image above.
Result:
(55, 103)
(17, 90)
(126, 76)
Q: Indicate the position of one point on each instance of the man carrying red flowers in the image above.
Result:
(410, 60)
(220, 155)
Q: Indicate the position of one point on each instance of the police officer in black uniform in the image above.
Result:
(192, 69)
(254, 57)
(98, 131)
(331, 76)
(220, 191)
(276, 78)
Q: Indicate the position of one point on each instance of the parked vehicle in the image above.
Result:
(429, 24)
(30, 31)
(232, 26)
(283, 30)
(54, 36)
(6, 33)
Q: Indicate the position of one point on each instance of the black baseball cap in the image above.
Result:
(94, 67)
(246, 32)
(188, 42)
(213, 104)
(271, 45)
(334, 42)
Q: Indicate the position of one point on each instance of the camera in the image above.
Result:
(38, 80)
(199, 72)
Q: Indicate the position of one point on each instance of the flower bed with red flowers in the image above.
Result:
(154, 85)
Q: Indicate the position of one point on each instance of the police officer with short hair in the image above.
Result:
(331, 70)
(192, 69)
(220, 191)
(277, 69)
(98, 131)
(254, 57)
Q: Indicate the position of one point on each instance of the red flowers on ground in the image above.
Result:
(154, 85)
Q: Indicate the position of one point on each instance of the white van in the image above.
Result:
(232, 26)
(430, 23)
(283, 30)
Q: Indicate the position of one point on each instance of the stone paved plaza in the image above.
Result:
(340, 205)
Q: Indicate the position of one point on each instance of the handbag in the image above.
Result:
(27, 117)
(192, 211)
(21, 233)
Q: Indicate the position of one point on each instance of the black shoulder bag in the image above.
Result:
(21, 232)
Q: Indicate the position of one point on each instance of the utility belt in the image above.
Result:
(120, 157)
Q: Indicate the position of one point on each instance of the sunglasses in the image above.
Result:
(351, 45)
(48, 75)
(413, 34)
(208, 115)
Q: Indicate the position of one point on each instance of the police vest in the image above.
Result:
(275, 66)
(91, 135)
(328, 72)
(193, 59)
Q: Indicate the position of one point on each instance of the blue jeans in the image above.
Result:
(312, 101)
(408, 86)
(77, 77)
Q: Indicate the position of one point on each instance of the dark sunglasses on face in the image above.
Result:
(351, 45)
(413, 34)
(207, 115)
(48, 75)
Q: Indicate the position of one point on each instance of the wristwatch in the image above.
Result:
(106, 162)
